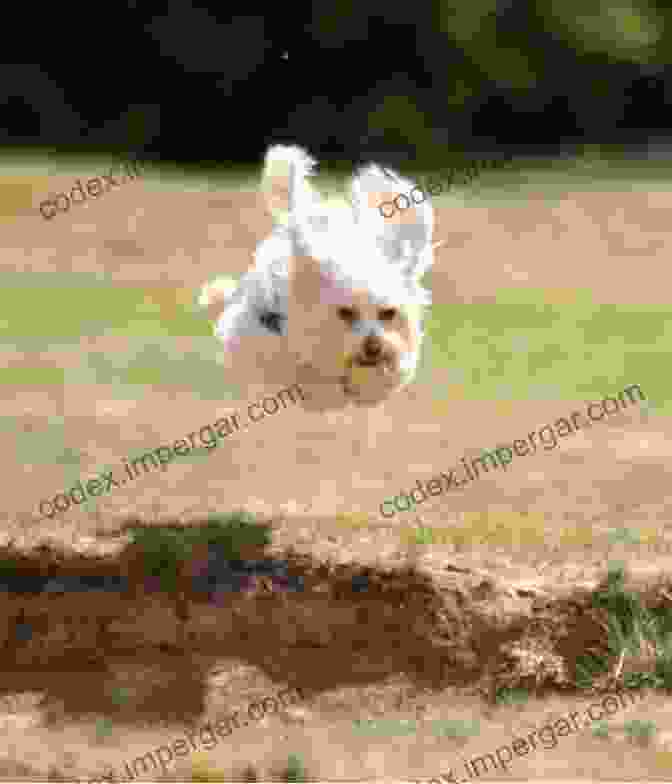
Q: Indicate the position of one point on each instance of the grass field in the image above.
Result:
(523, 346)
(88, 342)
(528, 344)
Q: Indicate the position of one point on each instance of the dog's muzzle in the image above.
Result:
(372, 353)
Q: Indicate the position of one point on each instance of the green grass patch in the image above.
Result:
(505, 528)
(295, 769)
(524, 345)
(507, 695)
(606, 169)
(600, 729)
(640, 731)
(165, 548)
(385, 727)
(32, 375)
(634, 631)
(454, 728)
(495, 528)
(62, 310)
(532, 349)
(143, 365)
(146, 323)
(521, 346)
(47, 446)
(158, 363)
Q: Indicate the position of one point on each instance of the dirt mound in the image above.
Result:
(335, 623)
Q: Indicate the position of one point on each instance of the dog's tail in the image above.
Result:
(217, 294)
(284, 181)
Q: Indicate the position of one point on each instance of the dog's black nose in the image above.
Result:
(373, 346)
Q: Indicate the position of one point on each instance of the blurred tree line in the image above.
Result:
(350, 80)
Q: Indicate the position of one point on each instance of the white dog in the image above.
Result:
(334, 301)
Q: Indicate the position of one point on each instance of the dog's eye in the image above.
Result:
(347, 314)
(387, 314)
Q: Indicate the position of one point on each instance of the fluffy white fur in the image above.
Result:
(333, 279)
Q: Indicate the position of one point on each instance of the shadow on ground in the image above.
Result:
(139, 647)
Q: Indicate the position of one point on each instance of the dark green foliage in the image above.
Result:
(164, 549)
(631, 625)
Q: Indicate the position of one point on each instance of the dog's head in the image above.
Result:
(355, 299)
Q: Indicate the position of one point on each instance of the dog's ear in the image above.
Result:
(284, 182)
(369, 188)
(373, 191)
(404, 235)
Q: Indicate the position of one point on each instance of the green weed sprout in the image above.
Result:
(640, 731)
(600, 729)
(511, 696)
(295, 770)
